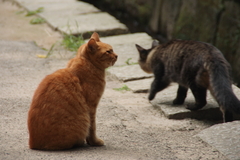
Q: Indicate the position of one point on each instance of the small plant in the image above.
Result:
(39, 10)
(72, 42)
(123, 88)
(37, 21)
(130, 63)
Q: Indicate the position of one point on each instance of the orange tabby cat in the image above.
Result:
(63, 109)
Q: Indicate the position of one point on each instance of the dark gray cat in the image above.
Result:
(195, 65)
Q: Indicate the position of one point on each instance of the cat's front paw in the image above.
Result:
(178, 101)
(95, 142)
(151, 97)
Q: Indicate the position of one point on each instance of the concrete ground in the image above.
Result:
(131, 127)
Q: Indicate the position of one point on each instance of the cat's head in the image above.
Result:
(99, 53)
(143, 56)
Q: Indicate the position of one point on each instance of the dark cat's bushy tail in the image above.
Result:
(221, 87)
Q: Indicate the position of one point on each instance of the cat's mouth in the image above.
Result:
(112, 63)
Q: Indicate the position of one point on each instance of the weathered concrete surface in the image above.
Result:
(163, 101)
(21, 72)
(140, 86)
(128, 73)
(76, 17)
(225, 138)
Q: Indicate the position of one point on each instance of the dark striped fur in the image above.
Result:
(195, 65)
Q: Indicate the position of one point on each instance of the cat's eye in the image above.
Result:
(109, 52)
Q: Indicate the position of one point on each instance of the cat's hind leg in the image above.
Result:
(200, 94)
(181, 95)
(79, 143)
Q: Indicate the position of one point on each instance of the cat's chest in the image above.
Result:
(93, 91)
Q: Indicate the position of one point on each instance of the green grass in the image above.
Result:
(31, 13)
(72, 42)
(123, 88)
(37, 21)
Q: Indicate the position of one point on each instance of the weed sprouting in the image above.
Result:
(130, 63)
(123, 88)
(37, 21)
(72, 42)
(31, 13)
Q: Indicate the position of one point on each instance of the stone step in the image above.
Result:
(225, 138)
(163, 101)
(139, 86)
(128, 73)
(75, 17)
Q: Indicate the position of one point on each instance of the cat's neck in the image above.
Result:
(147, 65)
(85, 57)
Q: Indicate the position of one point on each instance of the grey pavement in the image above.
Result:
(139, 86)
(76, 17)
(21, 72)
(128, 73)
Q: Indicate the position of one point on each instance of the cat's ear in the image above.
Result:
(155, 43)
(95, 36)
(139, 48)
(92, 44)
(142, 52)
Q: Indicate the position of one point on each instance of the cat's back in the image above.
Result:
(187, 47)
(177, 44)
(181, 50)
(58, 82)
